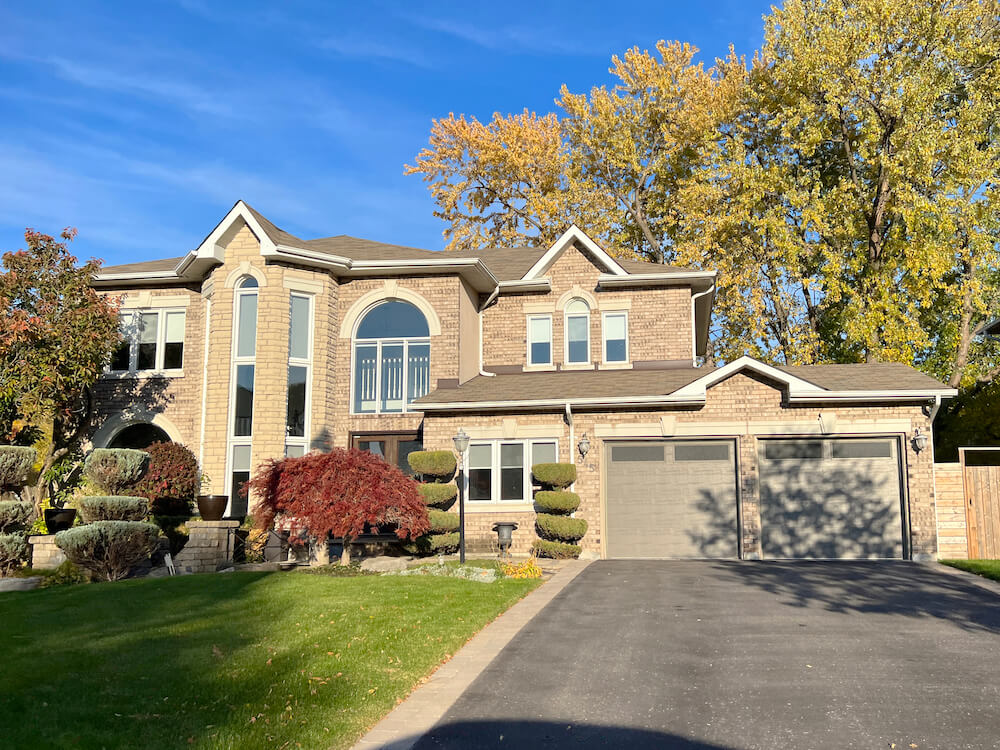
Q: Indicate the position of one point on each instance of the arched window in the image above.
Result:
(392, 355)
(577, 332)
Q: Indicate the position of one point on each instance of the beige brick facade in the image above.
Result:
(197, 408)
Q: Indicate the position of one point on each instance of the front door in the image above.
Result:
(393, 447)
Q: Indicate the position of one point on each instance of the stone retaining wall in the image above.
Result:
(209, 546)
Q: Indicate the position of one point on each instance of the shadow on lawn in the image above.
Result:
(466, 735)
(899, 588)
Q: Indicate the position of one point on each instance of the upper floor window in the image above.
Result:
(299, 374)
(616, 336)
(153, 340)
(577, 332)
(392, 356)
(539, 339)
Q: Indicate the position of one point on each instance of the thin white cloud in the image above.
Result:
(507, 39)
(369, 49)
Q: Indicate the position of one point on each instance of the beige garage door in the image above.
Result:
(669, 499)
(831, 498)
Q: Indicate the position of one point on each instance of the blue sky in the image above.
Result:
(141, 123)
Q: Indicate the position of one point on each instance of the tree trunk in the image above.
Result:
(964, 327)
(345, 555)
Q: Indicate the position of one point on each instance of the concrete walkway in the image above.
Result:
(426, 705)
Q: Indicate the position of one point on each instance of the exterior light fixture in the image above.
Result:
(461, 441)
(583, 446)
(919, 440)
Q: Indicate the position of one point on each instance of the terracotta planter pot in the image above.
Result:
(59, 519)
(212, 507)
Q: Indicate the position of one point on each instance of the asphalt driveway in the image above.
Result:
(744, 655)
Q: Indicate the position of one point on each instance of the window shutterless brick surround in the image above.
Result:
(193, 406)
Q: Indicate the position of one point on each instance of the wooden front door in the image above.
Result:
(981, 476)
(393, 447)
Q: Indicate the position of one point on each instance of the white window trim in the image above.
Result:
(306, 362)
(379, 343)
(161, 338)
(234, 361)
(566, 316)
(604, 339)
(495, 501)
(527, 338)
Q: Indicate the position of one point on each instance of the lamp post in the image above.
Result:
(461, 441)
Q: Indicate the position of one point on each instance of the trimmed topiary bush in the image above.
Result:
(13, 549)
(555, 475)
(555, 550)
(437, 544)
(171, 479)
(560, 528)
(440, 496)
(14, 515)
(114, 470)
(558, 502)
(109, 549)
(442, 522)
(113, 508)
(438, 464)
(15, 466)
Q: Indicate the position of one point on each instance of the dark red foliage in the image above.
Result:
(343, 494)
(171, 480)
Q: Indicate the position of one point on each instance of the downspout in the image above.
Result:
(694, 332)
(489, 300)
(569, 421)
(204, 383)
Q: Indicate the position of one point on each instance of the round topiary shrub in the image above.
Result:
(14, 515)
(171, 479)
(13, 549)
(442, 522)
(557, 501)
(15, 466)
(438, 464)
(113, 508)
(560, 528)
(438, 495)
(115, 469)
(108, 549)
(555, 475)
(555, 550)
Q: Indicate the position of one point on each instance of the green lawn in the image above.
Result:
(240, 660)
(985, 568)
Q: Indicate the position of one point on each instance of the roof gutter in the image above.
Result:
(526, 285)
(679, 278)
(888, 395)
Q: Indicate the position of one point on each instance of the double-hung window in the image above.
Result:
(577, 332)
(615, 337)
(152, 341)
(539, 339)
(499, 471)
(299, 374)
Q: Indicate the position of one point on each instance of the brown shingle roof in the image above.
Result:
(162, 264)
(556, 386)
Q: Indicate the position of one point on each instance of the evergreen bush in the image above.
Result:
(555, 550)
(556, 476)
(109, 549)
(114, 470)
(112, 508)
(560, 528)
(15, 466)
(440, 496)
(438, 464)
(14, 515)
(559, 502)
(442, 522)
(13, 549)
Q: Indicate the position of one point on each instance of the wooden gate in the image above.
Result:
(981, 478)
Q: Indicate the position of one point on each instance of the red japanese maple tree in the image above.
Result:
(343, 494)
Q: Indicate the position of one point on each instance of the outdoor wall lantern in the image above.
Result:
(919, 440)
(583, 446)
(461, 441)
(505, 535)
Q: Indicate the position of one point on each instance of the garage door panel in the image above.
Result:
(659, 506)
(844, 502)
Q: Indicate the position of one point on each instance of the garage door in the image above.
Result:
(671, 499)
(831, 498)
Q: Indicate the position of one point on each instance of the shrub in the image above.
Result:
(438, 464)
(67, 574)
(558, 502)
(171, 479)
(343, 494)
(442, 522)
(524, 569)
(560, 528)
(115, 469)
(13, 549)
(555, 475)
(438, 495)
(15, 466)
(14, 515)
(114, 508)
(433, 543)
(109, 549)
(555, 550)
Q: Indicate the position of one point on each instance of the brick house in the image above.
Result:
(258, 344)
